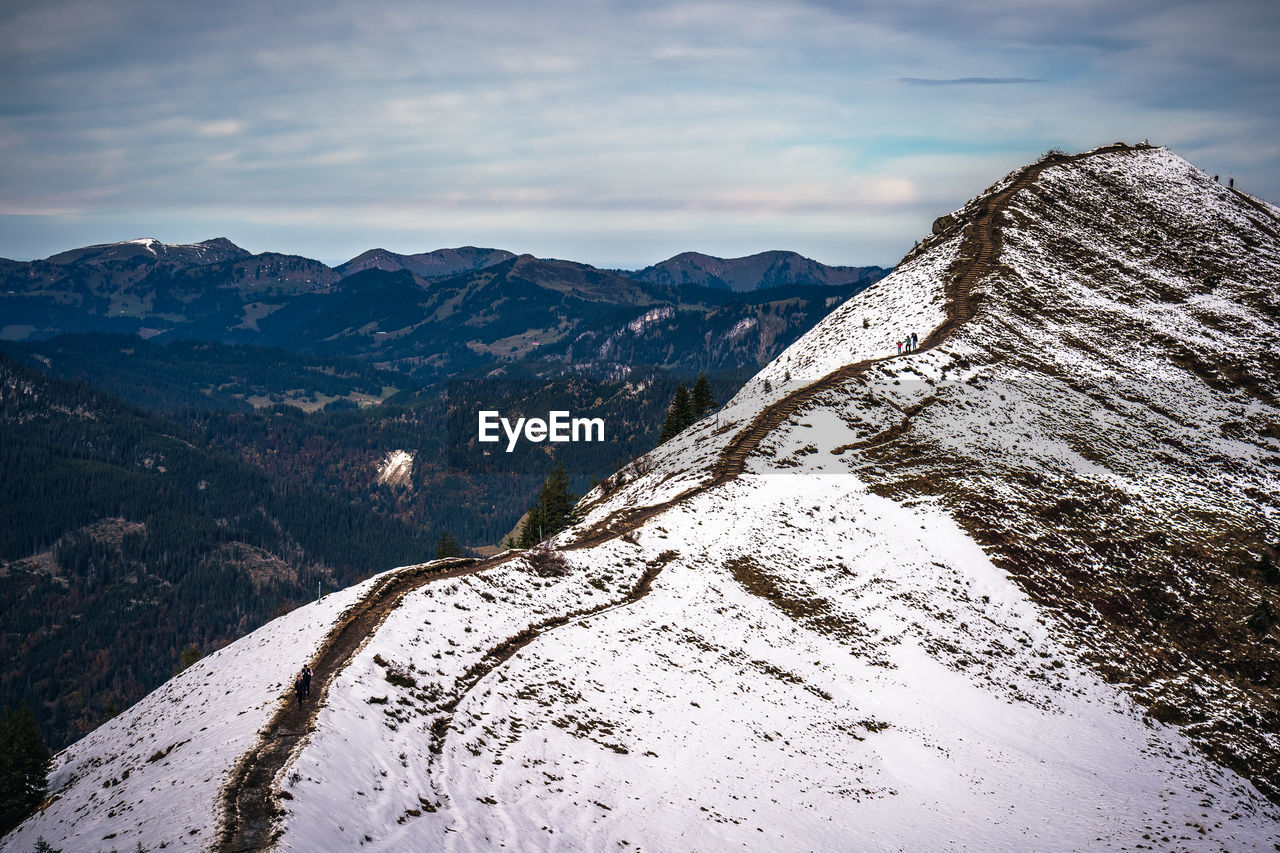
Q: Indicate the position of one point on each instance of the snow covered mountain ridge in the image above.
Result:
(993, 593)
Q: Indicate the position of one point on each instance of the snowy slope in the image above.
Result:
(899, 691)
(152, 775)
(986, 596)
(1109, 428)
(699, 716)
(867, 326)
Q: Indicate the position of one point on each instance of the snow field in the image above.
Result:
(817, 665)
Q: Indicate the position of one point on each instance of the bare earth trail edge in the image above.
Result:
(250, 812)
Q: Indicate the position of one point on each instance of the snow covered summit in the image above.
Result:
(997, 593)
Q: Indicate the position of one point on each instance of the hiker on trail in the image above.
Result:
(1215, 180)
(298, 688)
(899, 347)
(914, 342)
(1231, 182)
(306, 683)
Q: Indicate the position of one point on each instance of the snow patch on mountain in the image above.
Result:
(396, 468)
(149, 242)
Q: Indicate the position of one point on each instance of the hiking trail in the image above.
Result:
(250, 811)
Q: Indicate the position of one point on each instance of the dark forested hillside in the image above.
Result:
(125, 538)
(448, 485)
(171, 378)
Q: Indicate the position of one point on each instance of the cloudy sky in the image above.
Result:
(616, 133)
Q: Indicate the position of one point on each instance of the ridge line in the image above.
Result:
(250, 811)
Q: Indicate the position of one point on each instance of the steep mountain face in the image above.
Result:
(438, 264)
(1104, 424)
(754, 272)
(1002, 592)
(1115, 444)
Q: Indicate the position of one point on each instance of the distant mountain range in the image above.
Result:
(430, 314)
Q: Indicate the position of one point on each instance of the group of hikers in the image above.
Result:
(302, 684)
(909, 342)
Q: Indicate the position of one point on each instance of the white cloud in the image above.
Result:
(718, 122)
(220, 128)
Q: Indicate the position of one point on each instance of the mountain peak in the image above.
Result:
(439, 263)
(211, 251)
(774, 268)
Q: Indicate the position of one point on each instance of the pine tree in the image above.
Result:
(703, 399)
(679, 414)
(447, 546)
(683, 404)
(24, 766)
(189, 655)
(552, 511)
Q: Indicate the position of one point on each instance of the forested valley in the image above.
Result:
(125, 538)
